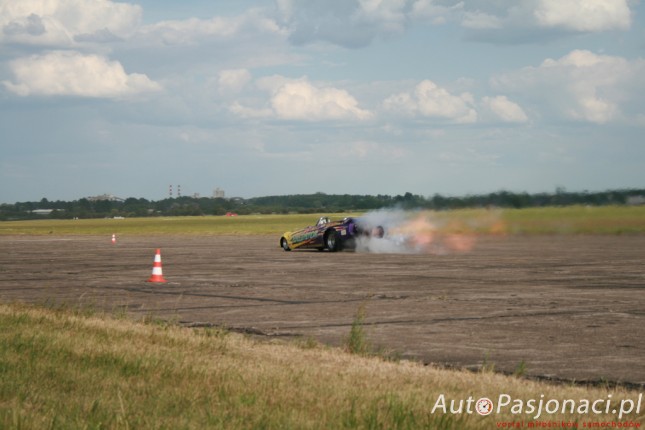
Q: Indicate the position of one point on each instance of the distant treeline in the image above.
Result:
(305, 203)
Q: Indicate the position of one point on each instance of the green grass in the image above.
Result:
(551, 220)
(356, 342)
(576, 220)
(65, 369)
(209, 225)
(614, 220)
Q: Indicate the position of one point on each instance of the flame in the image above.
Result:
(429, 232)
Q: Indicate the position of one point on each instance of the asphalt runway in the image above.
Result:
(563, 307)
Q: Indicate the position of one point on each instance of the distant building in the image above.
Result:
(219, 193)
(42, 211)
(110, 197)
(635, 200)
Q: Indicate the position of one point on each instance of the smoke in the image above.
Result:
(427, 232)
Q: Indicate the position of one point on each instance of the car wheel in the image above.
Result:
(285, 244)
(378, 232)
(332, 242)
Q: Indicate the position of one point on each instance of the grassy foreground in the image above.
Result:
(550, 220)
(66, 369)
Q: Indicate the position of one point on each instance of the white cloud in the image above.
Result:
(285, 8)
(304, 101)
(233, 81)
(369, 151)
(480, 20)
(432, 101)
(348, 23)
(504, 109)
(357, 23)
(581, 86)
(66, 22)
(249, 40)
(250, 112)
(196, 31)
(61, 73)
(301, 100)
(584, 15)
(389, 14)
(437, 14)
(524, 21)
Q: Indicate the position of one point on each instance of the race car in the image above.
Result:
(331, 235)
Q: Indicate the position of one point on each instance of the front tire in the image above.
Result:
(285, 244)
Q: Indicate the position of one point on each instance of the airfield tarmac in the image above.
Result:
(563, 307)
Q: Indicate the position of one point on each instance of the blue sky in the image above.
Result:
(302, 96)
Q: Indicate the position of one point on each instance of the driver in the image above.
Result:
(323, 220)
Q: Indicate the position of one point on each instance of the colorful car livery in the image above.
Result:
(331, 235)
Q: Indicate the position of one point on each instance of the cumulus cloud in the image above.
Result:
(580, 85)
(524, 21)
(64, 23)
(481, 21)
(436, 13)
(365, 150)
(389, 14)
(429, 100)
(61, 73)
(196, 31)
(233, 81)
(349, 23)
(584, 15)
(244, 111)
(504, 109)
(304, 101)
(254, 38)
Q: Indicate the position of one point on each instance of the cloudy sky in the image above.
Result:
(302, 96)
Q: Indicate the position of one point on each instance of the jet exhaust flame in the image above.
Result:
(427, 232)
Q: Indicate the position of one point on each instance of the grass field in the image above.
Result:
(70, 369)
(576, 220)
(552, 220)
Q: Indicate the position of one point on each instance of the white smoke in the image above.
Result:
(392, 242)
(426, 232)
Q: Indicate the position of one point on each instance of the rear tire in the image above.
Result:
(332, 240)
(378, 232)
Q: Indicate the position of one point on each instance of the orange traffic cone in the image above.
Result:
(113, 239)
(157, 275)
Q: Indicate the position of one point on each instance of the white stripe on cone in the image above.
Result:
(157, 275)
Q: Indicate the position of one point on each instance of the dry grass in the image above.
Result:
(65, 369)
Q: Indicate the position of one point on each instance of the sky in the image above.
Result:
(262, 97)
